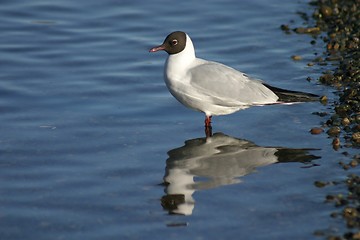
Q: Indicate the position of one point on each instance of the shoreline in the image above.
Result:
(337, 24)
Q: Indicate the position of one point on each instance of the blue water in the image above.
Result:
(87, 123)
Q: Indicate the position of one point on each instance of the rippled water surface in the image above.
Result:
(93, 146)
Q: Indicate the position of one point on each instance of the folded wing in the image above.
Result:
(226, 86)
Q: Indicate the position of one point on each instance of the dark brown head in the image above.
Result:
(174, 43)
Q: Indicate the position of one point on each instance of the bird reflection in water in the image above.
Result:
(220, 160)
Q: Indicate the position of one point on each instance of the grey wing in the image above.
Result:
(226, 86)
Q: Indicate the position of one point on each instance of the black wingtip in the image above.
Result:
(289, 96)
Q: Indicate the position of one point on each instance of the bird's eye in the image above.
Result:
(174, 42)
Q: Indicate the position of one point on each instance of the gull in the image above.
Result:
(214, 88)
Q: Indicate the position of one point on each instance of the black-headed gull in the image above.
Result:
(214, 88)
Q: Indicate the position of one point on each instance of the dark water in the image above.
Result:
(87, 123)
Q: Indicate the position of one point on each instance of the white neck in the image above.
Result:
(176, 64)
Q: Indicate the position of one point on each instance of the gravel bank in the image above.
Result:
(337, 24)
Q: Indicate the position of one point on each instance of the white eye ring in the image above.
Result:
(174, 42)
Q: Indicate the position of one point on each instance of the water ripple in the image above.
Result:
(86, 120)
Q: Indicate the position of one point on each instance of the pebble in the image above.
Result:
(326, 11)
(316, 130)
(334, 131)
(345, 121)
(356, 235)
(285, 28)
(356, 137)
(350, 212)
(334, 58)
(323, 100)
(353, 163)
(336, 143)
(296, 57)
(320, 114)
(303, 30)
(327, 79)
(320, 184)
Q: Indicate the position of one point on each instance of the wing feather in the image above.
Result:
(226, 86)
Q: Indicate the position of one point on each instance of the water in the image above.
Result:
(87, 123)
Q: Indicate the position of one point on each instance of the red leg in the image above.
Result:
(208, 121)
(208, 131)
(208, 128)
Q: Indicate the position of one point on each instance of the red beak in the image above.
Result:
(158, 48)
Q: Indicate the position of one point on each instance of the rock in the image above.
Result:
(350, 212)
(356, 236)
(356, 137)
(320, 184)
(296, 57)
(345, 121)
(323, 100)
(326, 11)
(302, 30)
(285, 28)
(336, 143)
(334, 131)
(316, 130)
(327, 79)
(353, 163)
